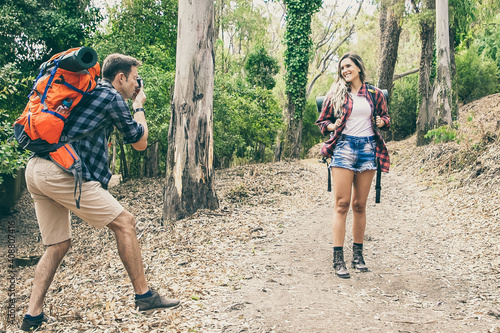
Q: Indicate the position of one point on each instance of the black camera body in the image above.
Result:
(140, 82)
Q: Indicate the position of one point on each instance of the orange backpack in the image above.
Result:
(62, 82)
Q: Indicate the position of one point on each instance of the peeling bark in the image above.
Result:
(442, 95)
(427, 30)
(190, 173)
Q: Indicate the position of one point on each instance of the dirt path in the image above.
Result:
(262, 263)
(415, 283)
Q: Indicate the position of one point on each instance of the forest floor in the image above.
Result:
(262, 262)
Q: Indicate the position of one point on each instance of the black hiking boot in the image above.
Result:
(339, 264)
(358, 262)
(156, 302)
(29, 325)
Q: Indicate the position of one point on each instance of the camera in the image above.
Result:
(140, 82)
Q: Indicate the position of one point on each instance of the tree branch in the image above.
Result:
(399, 76)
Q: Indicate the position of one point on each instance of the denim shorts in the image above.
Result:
(355, 153)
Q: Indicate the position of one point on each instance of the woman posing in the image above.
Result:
(352, 113)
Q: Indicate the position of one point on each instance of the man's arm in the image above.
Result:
(140, 117)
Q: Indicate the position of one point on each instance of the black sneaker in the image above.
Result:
(29, 325)
(156, 302)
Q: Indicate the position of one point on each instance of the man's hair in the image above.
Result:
(118, 63)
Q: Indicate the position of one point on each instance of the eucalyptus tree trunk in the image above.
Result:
(190, 173)
(427, 31)
(391, 14)
(442, 94)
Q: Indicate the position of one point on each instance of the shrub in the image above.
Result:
(311, 135)
(477, 76)
(403, 108)
(11, 158)
(442, 134)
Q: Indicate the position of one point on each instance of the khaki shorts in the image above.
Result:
(52, 188)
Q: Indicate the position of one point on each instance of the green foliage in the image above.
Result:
(145, 29)
(31, 30)
(246, 121)
(487, 40)
(261, 68)
(298, 52)
(311, 134)
(11, 158)
(477, 75)
(244, 22)
(403, 108)
(442, 134)
(13, 91)
(462, 15)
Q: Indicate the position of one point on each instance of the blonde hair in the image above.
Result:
(339, 88)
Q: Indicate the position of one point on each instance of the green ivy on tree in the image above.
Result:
(298, 49)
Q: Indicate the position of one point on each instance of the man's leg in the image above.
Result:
(130, 253)
(129, 250)
(44, 273)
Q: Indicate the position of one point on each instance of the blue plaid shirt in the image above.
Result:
(103, 109)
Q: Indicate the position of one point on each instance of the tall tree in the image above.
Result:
(391, 13)
(427, 31)
(190, 174)
(297, 55)
(442, 94)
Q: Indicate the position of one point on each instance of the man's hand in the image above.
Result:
(139, 99)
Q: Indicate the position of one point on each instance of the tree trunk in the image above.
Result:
(113, 157)
(453, 72)
(190, 174)
(442, 94)
(297, 56)
(294, 133)
(390, 30)
(277, 147)
(123, 160)
(427, 30)
(151, 161)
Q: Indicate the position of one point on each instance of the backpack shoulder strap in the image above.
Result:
(372, 91)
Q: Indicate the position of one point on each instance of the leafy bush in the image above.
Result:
(403, 108)
(477, 76)
(487, 40)
(11, 158)
(14, 89)
(311, 134)
(261, 68)
(246, 121)
(443, 134)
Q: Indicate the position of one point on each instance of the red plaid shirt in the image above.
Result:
(380, 109)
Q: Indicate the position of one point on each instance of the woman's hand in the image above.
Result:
(333, 126)
(379, 122)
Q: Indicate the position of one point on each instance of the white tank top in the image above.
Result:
(359, 122)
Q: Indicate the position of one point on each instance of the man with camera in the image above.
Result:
(52, 188)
